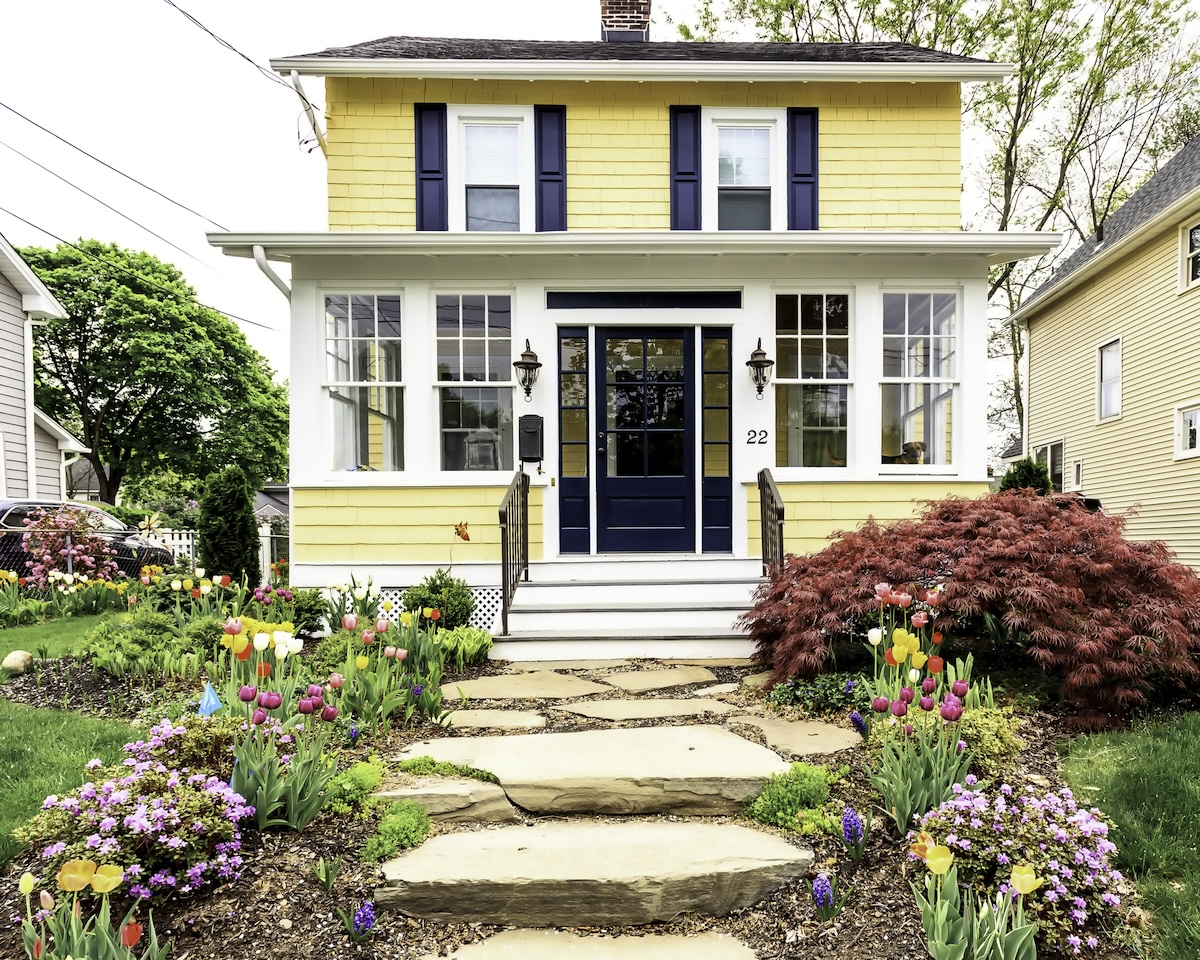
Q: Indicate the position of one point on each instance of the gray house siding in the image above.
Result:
(12, 393)
(49, 465)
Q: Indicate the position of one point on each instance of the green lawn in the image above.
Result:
(1147, 783)
(44, 752)
(58, 636)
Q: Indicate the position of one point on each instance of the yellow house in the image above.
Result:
(654, 225)
(1114, 362)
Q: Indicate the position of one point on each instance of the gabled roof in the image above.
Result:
(1176, 185)
(482, 59)
(36, 298)
(66, 441)
(1015, 450)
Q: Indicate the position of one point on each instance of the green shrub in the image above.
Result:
(351, 790)
(428, 767)
(309, 612)
(404, 826)
(1027, 474)
(113, 645)
(203, 635)
(786, 795)
(450, 595)
(825, 693)
(990, 734)
(330, 652)
(228, 534)
(466, 645)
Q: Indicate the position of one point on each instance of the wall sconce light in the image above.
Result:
(760, 368)
(527, 370)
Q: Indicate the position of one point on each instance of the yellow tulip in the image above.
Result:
(240, 643)
(1023, 879)
(187, 584)
(387, 604)
(938, 860)
(361, 662)
(918, 659)
(427, 612)
(28, 880)
(900, 635)
(406, 618)
(107, 878)
(921, 845)
(900, 653)
(76, 874)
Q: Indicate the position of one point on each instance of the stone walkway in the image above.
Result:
(579, 867)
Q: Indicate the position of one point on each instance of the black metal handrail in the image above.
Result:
(514, 543)
(770, 509)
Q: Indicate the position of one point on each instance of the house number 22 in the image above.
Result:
(756, 436)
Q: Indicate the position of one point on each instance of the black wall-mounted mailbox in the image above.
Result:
(530, 444)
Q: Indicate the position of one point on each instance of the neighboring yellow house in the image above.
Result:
(643, 215)
(1114, 362)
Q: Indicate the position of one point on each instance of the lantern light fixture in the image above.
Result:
(760, 366)
(527, 370)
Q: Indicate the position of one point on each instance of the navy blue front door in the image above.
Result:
(646, 453)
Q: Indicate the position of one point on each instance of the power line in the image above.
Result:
(112, 168)
(134, 273)
(102, 203)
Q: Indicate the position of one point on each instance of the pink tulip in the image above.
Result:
(951, 710)
(233, 626)
(904, 599)
(318, 702)
(381, 625)
(349, 622)
(908, 729)
(882, 590)
(401, 653)
(368, 636)
(247, 694)
(389, 652)
(959, 689)
(919, 619)
(259, 716)
(145, 581)
(336, 680)
(927, 704)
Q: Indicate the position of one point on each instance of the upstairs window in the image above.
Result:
(493, 191)
(743, 178)
(1109, 371)
(1191, 256)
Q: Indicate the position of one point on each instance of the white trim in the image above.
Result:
(66, 441)
(1059, 442)
(1101, 417)
(1073, 481)
(775, 122)
(458, 116)
(36, 298)
(615, 69)
(1179, 453)
(1186, 255)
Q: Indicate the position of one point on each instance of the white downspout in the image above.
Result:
(260, 257)
(30, 435)
(308, 110)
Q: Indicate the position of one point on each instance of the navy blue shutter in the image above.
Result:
(685, 168)
(433, 209)
(550, 162)
(802, 168)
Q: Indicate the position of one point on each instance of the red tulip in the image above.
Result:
(935, 664)
(37, 949)
(245, 654)
(264, 670)
(937, 638)
(131, 933)
(436, 615)
(889, 658)
(195, 593)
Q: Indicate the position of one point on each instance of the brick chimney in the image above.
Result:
(625, 21)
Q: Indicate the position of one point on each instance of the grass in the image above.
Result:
(59, 637)
(44, 752)
(1147, 783)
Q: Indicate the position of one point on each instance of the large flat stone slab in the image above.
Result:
(694, 770)
(539, 685)
(640, 681)
(534, 665)
(572, 873)
(756, 681)
(527, 944)
(716, 690)
(802, 737)
(496, 720)
(457, 800)
(646, 709)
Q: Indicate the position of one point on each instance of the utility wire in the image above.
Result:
(133, 273)
(103, 204)
(112, 168)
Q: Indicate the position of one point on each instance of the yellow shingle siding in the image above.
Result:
(813, 511)
(372, 525)
(889, 152)
(1128, 462)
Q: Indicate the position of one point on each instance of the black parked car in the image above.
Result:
(133, 550)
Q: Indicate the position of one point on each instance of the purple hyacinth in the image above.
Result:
(852, 827)
(822, 892)
(858, 723)
(416, 691)
(364, 919)
(850, 686)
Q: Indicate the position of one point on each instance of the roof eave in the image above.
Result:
(640, 70)
(66, 441)
(36, 298)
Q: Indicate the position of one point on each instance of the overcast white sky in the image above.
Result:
(139, 86)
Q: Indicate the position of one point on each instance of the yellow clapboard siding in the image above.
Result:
(402, 524)
(813, 511)
(889, 153)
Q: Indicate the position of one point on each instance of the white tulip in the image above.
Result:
(68, 578)
(360, 593)
(262, 641)
(914, 675)
(205, 589)
(875, 636)
(281, 653)
(283, 639)
(199, 571)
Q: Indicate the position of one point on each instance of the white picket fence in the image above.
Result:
(182, 543)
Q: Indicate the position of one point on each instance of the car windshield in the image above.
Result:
(103, 521)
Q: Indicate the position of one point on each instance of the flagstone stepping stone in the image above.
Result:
(639, 681)
(716, 690)
(802, 737)
(552, 944)
(540, 685)
(573, 873)
(496, 720)
(645, 709)
(757, 681)
(457, 800)
(697, 770)
(568, 665)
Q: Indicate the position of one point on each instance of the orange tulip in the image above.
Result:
(107, 878)
(37, 949)
(264, 670)
(245, 654)
(889, 659)
(195, 593)
(436, 615)
(920, 847)
(131, 933)
(937, 638)
(76, 874)
(935, 664)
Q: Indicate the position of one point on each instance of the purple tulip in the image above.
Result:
(951, 711)
(960, 688)
(899, 708)
(246, 694)
(908, 729)
(880, 704)
(259, 716)
(928, 685)
(305, 706)
(318, 701)
(273, 701)
(906, 694)
(329, 712)
(314, 689)
(927, 704)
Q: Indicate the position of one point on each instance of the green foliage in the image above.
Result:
(405, 825)
(990, 734)
(428, 767)
(826, 693)
(170, 494)
(786, 795)
(465, 645)
(228, 535)
(917, 771)
(972, 929)
(283, 775)
(201, 744)
(331, 651)
(450, 595)
(1027, 474)
(326, 871)
(95, 937)
(152, 378)
(350, 791)
(203, 634)
(119, 646)
(308, 613)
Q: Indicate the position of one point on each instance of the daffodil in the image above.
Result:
(1023, 879)
(76, 874)
(107, 878)
(938, 860)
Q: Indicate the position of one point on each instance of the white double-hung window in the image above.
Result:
(491, 168)
(1108, 370)
(1191, 256)
(744, 170)
(363, 387)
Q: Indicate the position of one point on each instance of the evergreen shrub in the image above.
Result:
(1027, 474)
(228, 534)
(450, 595)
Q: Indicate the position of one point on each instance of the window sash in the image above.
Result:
(1189, 429)
(812, 338)
(1192, 265)
(367, 422)
(1054, 456)
(1110, 380)
(475, 427)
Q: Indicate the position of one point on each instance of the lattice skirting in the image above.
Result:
(487, 606)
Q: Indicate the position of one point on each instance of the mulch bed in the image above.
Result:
(279, 910)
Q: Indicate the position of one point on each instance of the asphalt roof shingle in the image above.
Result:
(439, 48)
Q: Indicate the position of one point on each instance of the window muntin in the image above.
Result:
(743, 178)
(1053, 455)
(491, 176)
(920, 347)
(363, 381)
(1187, 430)
(474, 345)
(1109, 362)
(812, 393)
(1191, 256)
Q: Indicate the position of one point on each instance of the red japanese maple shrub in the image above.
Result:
(1108, 617)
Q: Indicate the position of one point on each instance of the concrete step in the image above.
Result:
(601, 644)
(633, 618)
(635, 567)
(586, 873)
(525, 944)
